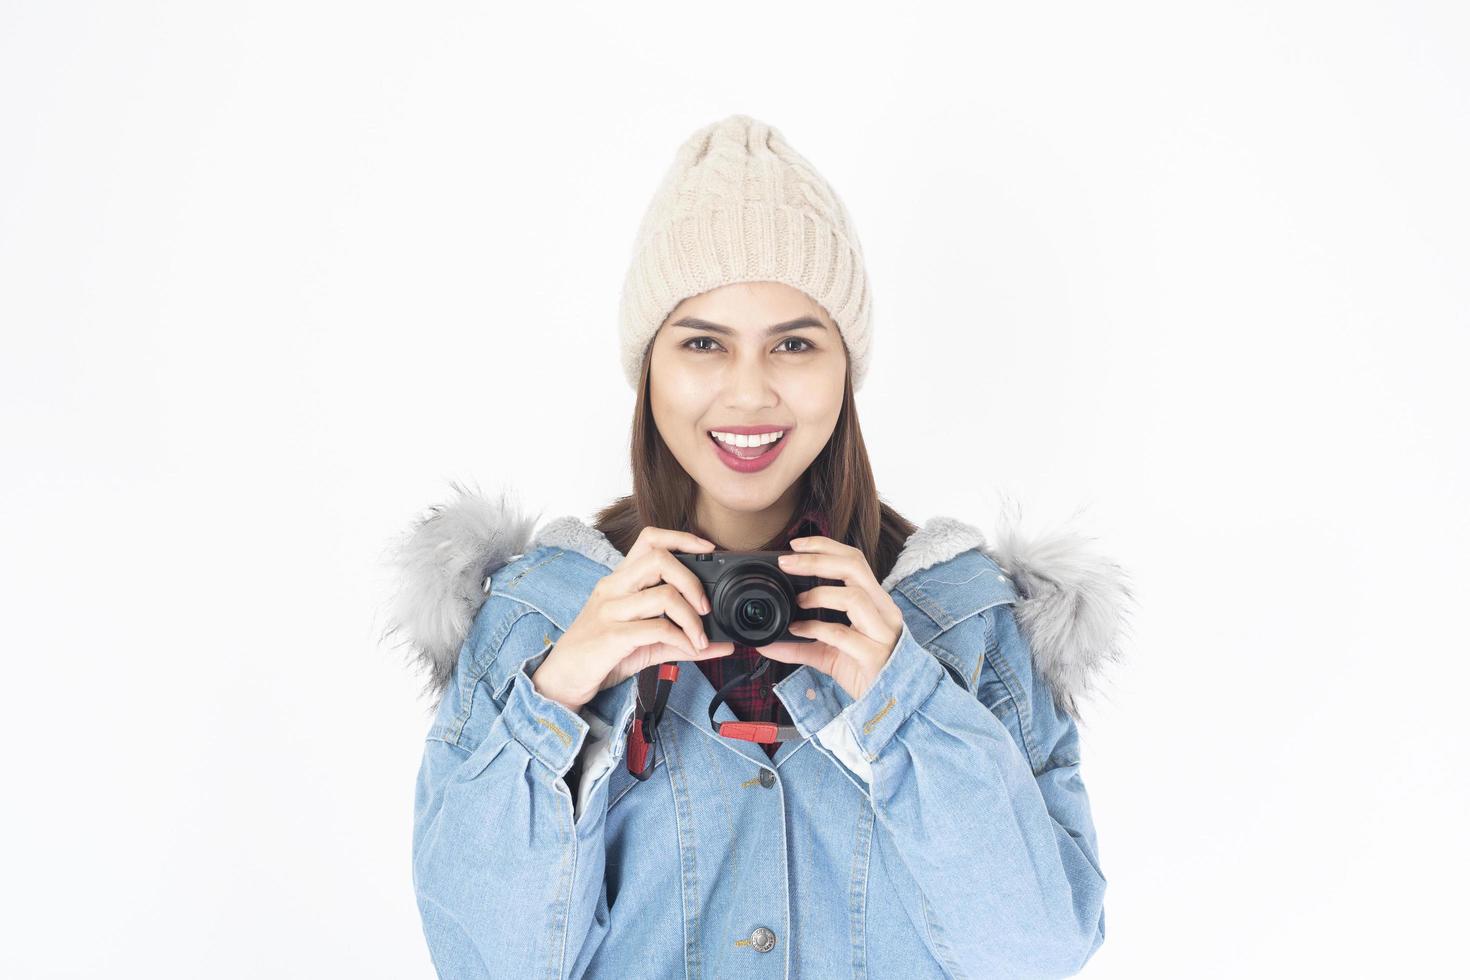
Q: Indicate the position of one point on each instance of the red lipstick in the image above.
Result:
(748, 459)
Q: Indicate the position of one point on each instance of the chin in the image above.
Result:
(756, 496)
(749, 503)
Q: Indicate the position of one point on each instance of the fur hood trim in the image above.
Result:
(1073, 609)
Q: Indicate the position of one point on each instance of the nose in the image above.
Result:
(747, 385)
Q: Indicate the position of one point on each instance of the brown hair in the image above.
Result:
(839, 483)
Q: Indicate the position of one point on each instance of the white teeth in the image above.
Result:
(747, 441)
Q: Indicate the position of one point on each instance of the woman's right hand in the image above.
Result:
(622, 627)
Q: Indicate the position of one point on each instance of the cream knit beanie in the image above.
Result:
(738, 204)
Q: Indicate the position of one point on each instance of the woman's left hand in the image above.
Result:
(851, 655)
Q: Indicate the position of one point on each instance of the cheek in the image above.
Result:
(675, 395)
(679, 411)
(817, 405)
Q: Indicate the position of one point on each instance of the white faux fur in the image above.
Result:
(442, 564)
(1073, 608)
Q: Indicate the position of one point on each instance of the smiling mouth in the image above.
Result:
(745, 452)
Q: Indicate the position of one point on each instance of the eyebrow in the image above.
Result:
(800, 323)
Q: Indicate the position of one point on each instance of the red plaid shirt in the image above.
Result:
(755, 700)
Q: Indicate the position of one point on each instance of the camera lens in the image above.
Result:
(755, 613)
(752, 603)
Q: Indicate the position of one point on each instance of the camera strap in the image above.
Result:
(654, 684)
(750, 731)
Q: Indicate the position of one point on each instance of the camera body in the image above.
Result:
(752, 600)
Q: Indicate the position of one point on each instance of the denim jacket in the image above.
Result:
(938, 826)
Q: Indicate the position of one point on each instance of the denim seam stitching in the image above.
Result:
(565, 738)
(925, 604)
(945, 656)
(531, 568)
(1023, 709)
(942, 948)
(569, 876)
(498, 635)
(981, 612)
(688, 867)
(629, 788)
(858, 897)
(1012, 685)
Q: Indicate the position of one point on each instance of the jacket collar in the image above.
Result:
(1070, 600)
(937, 541)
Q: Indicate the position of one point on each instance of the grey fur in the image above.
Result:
(573, 534)
(1072, 609)
(1076, 605)
(443, 564)
(939, 540)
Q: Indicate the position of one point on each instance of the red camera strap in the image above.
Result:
(750, 731)
(654, 684)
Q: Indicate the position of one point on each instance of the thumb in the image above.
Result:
(790, 653)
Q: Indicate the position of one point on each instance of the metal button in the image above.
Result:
(811, 694)
(768, 778)
(763, 939)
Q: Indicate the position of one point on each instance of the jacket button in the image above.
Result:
(768, 778)
(763, 939)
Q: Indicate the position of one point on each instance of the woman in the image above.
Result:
(914, 805)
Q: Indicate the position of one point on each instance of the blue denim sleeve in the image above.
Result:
(508, 875)
(1004, 853)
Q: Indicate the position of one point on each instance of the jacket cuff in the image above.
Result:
(548, 729)
(905, 682)
(607, 717)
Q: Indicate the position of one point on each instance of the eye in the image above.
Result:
(688, 344)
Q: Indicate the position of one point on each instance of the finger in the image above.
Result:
(862, 648)
(659, 653)
(821, 564)
(814, 655)
(670, 540)
(641, 632)
(857, 604)
(661, 600)
(710, 652)
(852, 569)
(682, 577)
(657, 566)
(821, 544)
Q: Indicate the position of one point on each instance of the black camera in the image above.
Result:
(752, 600)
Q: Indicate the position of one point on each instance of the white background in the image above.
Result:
(273, 274)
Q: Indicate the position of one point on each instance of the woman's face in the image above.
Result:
(733, 358)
